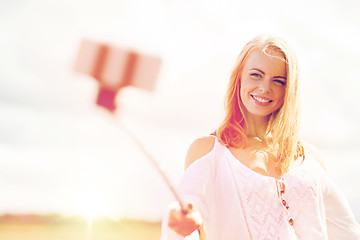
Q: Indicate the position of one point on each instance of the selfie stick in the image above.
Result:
(156, 166)
(164, 176)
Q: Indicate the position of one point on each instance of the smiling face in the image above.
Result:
(263, 83)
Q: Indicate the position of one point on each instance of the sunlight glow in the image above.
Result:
(91, 203)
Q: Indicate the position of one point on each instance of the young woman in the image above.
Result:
(253, 178)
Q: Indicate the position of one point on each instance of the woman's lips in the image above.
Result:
(263, 101)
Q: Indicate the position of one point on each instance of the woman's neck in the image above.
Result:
(256, 127)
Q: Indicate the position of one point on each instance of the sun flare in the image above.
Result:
(91, 203)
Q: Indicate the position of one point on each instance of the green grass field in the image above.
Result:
(124, 230)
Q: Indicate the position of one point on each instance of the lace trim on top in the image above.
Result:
(262, 201)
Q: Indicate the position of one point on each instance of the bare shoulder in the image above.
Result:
(199, 148)
(310, 148)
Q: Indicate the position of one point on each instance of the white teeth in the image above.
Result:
(261, 99)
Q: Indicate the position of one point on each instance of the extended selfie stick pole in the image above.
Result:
(156, 165)
(162, 173)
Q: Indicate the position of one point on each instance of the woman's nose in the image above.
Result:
(265, 85)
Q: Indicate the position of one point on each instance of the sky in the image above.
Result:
(61, 153)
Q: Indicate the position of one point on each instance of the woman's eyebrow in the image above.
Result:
(258, 70)
(281, 77)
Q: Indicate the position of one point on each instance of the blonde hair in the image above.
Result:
(283, 126)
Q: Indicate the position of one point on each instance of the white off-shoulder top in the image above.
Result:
(237, 203)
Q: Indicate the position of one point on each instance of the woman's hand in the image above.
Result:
(185, 221)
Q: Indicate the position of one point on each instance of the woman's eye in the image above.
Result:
(281, 82)
(255, 75)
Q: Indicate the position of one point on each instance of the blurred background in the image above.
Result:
(61, 154)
